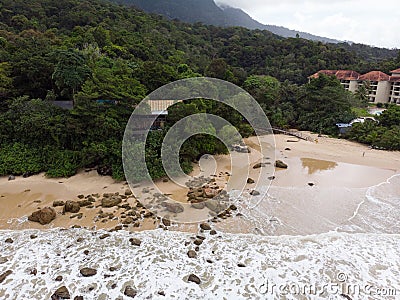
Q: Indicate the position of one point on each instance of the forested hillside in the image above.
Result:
(90, 50)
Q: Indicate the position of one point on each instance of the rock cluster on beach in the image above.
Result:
(43, 216)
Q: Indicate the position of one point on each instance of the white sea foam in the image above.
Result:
(161, 263)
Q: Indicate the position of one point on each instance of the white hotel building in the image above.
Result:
(383, 88)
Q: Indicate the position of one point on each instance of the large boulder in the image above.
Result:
(210, 193)
(215, 206)
(43, 216)
(72, 207)
(280, 164)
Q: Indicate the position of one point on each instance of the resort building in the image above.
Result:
(382, 88)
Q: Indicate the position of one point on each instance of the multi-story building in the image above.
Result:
(381, 87)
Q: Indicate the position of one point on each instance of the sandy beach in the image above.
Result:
(336, 168)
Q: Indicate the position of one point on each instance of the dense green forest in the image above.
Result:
(90, 50)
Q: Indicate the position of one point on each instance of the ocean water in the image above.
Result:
(364, 266)
(319, 209)
(300, 243)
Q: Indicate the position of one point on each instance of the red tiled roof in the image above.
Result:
(397, 71)
(394, 78)
(347, 75)
(325, 72)
(340, 74)
(375, 76)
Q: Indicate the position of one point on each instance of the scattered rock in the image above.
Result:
(255, 193)
(128, 220)
(205, 226)
(33, 271)
(271, 177)
(210, 193)
(145, 190)
(215, 206)
(27, 174)
(199, 205)
(288, 149)
(173, 207)
(280, 164)
(233, 207)
(259, 165)
(61, 293)
(11, 177)
(79, 216)
(166, 222)
(9, 241)
(87, 272)
(161, 293)
(250, 181)
(4, 275)
(135, 242)
(58, 203)
(198, 242)
(78, 298)
(192, 254)
(240, 265)
(33, 236)
(311, 184)
(213, 232)
(194, 278)
(104, 236)
(43, 216)
(130, 292)
(128, 192)
(110, 202)
(84, 203)
(58, 278)
(72, 207)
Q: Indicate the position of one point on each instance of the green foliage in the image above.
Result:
(325, 103)
(382, 135)
(90, 50)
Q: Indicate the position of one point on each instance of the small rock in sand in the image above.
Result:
(135, 242)
(61, 293)
(9, 241)
(255, 193)
(87, 272)
(194, 278)
(4, 275)
(192, 254)
(205, 226)
(280, 164)
(250, 181)
(130, 292)
(58, 203)
(72, 207)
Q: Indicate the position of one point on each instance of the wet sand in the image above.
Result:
(332, 165)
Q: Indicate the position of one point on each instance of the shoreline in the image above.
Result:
(327, 164)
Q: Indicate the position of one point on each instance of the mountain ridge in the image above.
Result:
(211, 13)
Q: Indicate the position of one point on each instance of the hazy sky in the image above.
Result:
(370, 22)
